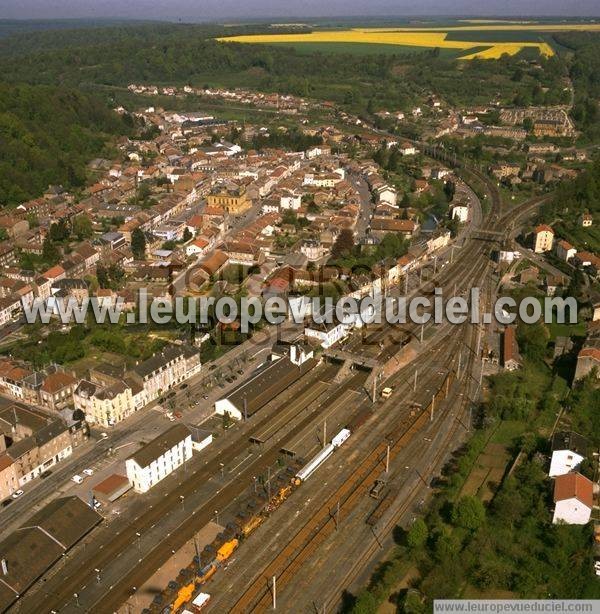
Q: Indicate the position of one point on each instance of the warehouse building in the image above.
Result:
(110, 489)
(262, 387)
(159, 458)
(29, 551)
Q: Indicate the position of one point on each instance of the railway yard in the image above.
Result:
(303, 537)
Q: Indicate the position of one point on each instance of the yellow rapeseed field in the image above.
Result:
(387, 37)
(422, 37)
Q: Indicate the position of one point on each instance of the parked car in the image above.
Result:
(103, 435)
(45, 474)
(88, 471)
(77, 479)
(183, 386)
(17, 494)
(6, 502)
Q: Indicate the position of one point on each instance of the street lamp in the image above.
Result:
(139, 541)
(182, 498)
(217, 516)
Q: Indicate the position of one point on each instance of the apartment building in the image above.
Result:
(31, 442)
(104, 405)
(159, 458)
(166, 369)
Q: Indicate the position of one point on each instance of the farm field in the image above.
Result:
(483, 41)
(367, 48)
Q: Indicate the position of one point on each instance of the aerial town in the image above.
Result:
(330, 465)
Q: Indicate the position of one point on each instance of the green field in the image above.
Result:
(369, 49)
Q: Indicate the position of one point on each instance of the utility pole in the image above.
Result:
(415, 383)
(274, 587)
(387, 459)
(459, 365)
(422, 329)
(337, 515)
(432, 406)
(374, 389)
(325, 432)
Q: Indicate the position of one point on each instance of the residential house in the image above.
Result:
(569, 450)
(543, 239)
(573, 499)
(510, 349)
(564, 250)
(56, 393)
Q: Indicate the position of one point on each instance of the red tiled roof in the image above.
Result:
(574, 485)
(57, 381)
(543, 228)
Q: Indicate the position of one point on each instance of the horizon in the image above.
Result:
(262, 10)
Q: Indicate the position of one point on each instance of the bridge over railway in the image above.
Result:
(356, 359)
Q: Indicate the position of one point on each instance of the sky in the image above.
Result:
(211, 10)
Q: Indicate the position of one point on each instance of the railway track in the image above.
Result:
(323, 523)
(57, 592)
(286, 565)
(60, 588)
(433, 465)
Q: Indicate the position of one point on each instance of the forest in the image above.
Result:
(47, 136)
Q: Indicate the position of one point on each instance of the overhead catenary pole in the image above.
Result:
(324, 432)
(432, 406)
(415, 382)
(274, 587)
(387, 459)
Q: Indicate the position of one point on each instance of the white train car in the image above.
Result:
(314, 463)
(339, 439)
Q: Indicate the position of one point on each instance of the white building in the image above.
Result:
(290, 200)
(460, 213)
(568, 452)
(573, 499)
(387, 195)
(159, 458)
(198, 247)
(313, 250)
(564, 250)
(326, 334)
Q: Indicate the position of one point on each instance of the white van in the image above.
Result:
(77, 479)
